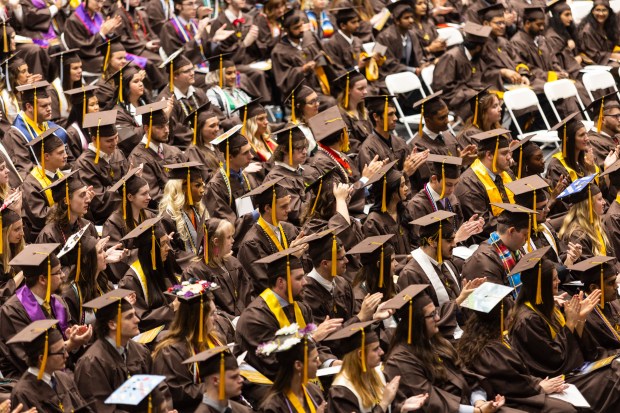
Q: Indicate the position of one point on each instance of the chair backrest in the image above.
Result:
(427, 76)
(452, 35)
(580, 9)
(615, 5)
(599, 79)
(562, 89)
(403, 82)
(523, 98)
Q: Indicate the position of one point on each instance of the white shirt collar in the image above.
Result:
(347, 38)
(230, 16)
(289, 167)
(432, 135)
(102, 154)
(314, 274)
(121, 350)
(467, 54)
(47, 378)
(434, 194)
(39, 299)
(491, 174)
(179, 95)
(154, 147)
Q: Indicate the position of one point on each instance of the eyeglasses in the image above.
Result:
(313, 102)
(300, 147)
(432, 315)
(58, 353)
(617, 116)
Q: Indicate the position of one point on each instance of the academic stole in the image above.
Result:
(557, 313)
(33, 127)
(611, 328)
(274, 306)
(292, 398)
(571, 172)
(137, 267)
(39, 174)
(272, 236)
(492, 191)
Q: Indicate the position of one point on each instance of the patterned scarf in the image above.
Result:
(508, 260)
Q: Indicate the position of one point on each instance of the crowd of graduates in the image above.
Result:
(209, 207)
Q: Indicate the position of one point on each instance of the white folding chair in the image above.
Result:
(565, 89)
(523, 98)
(615, 5)
(580, 9)
(597, 80)
(404, 82)
(451, 35)
(427, 77)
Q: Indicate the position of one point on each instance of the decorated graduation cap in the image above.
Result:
(403, 303)
(429, 100)
(533, 12)
(368, 249)
(352, 337)
(81, 95)
(248, 111)
(173, 63)
(528, 192)
(299, 94)
(66, 57)
(399, 7)
(38, 260)
(564, 125)
(147, 232)
(76, 239)
(33, 91)
(228, 141)
(153, 114)
(110, 307)
(474, 102)
(39, 335)
(601, 106)
(520, 146)
(476, 33)
(287, 136)
(493, 140)
(188, 171)
(489, 12)
(328, 124)
(135, 390)
(596, 270)
(194, 291)
(379, 181)
(437, 224)
(217, 360)
(526, 264)
(100, 124)
(485, 298)
(317, 186)
(220, 62)
(317, 243)
(193, 118)
(445, 167)
(283, 262)
(64, 187)
(268, 193)
(346, 80)
(111, 45)
(121, 185)
(45, 143)
(380, 104)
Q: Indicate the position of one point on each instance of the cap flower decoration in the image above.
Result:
(286, 338)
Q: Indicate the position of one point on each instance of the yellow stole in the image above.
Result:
(557, 313)
(137, 267)
(299, 408)
(272, 236)
(34, 126)
(571, 172)
(274, 306)
(492, 192)
(39, 174)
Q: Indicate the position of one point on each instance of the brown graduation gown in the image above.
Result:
(234, 408)
(394, 149)
(594, 43)
(602, 144)
(565, 56)
(540, 60)
(444, 145)
(171, 42)
(278, 403)
(341, 399)
(485, 262)
(344, 56)
(78, 36)
(339, 303)
(180, 132)
(359, 129)
(607, 341)
(36, 393)
(210, 159)
(498, 55)
(611, 223)
(394, 62)
(293, 183)
(578, 236)
(382, 223)
(34, 206)
(420, 205)
(129, 132)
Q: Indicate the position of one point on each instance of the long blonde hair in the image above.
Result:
(368, 385)
(251, 127)
(173, 202)
(578, 219)
(361, 108)
(9, 251)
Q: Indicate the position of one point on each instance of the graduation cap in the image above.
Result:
(405, 297)
(137, 232)
(75, 239)
(215, 360)
(318, 241)
(100, 124)
(368, 246)
(489, 12)
(299, 92)
(476, 33)
(263, 197)
(80, 96)
(35, 334)
(66, 57)
(520, 144)
(564, 125)
(286, 136)
(344, 81)
(384, 174)
(174, 62)
(380, 104)
(287, 18)
(612, 170)
(512, 212)
(557, 7)
(110, 306)
(435, 97)
(249, 110)
(31, 92)
(318, 184)
(352, 337)
(276, 262)
(344, 14)
(122, 183)
(228, 141)
(599, 106)
(526, 189)
(595, 269)
(193, 291)
(152, 114)
(185, 170)
(325, 124)
(432, 225)
(137, 388)
(34, 259)
(451, 164)
(192, 118)
(64, 187)
(45, 143)
(127, 71)
(222, 63)
(533, 12)
(528, 262)
(399, 7)
(486, 297)
(493, 140)
(108, 47)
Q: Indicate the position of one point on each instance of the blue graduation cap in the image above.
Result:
(575, 191)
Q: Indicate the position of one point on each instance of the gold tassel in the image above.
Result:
(535, 219)
(529, 233)
(201, 321)
(385, 115)
(381, 274)
(44, 360)
(150, 406)
(68, 200)
(599, 122)
(221, 394)
(120, 87)
(190, 199)
(172, 76)
(602, 288)
(227, 159)
(590, 210)
(206, 245)
(318, 194)
(153, 260)
(293, 117)
(520, 162)
(124, 201)
(539, 299)
(5, 44)
(346, 94)
(221, 71)
(274, 218)
(78, 267)
(383, 195)
(345, 140)
(421, 125)
(107, 57)
(35, 107)
(97, 143)
(363, 350)
(119, 316)
(48, 292)
(443, 180)
(289, 287)
(305, 378)
(495, 155)
(410, 318)
(245, 120)
(439, 237)
(475, 121)
(334, 256)
(148, 136)
(564, 143)
(290, 147)
(195, 127)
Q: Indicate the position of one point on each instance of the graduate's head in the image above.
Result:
(412, 306)
(194, 320)
(220, 233)
(115, 317)
(445, 173)
(436, 231)
(49, 150)
(292, 362)
(434, 111)
(377, 257)
(274, 9)
(475, 36)
(12, 235)
(185, 8)
(330, 130)
(138, 194)
(534, 20)
(493, 16)
(513, 225)
(537, 274)
(359, 349)
(392, 188)
(286, 273)
(155, 121)
(598, 273)
(36, 102)
(101, 127)
(292, 24)
(347, 20)
(382, 112)
(41, 267)
(94, 6)
(606, 113)
(40, 338)
(272, 201)
(533, 159)
(494, 149)
(402, 14)
(91, 262)
(71, 198)
(292, 146)
(211, 365)
(328, 253)
(18, 71)
(601, 11)
(185, 187)
(561, 17)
